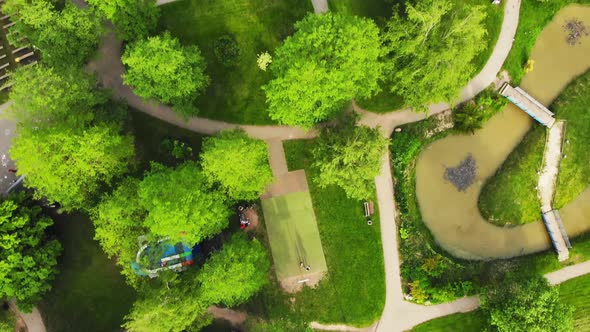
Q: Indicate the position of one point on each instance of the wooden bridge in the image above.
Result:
(557, 233)
(528, 104)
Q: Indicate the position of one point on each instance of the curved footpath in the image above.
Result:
(398, 315)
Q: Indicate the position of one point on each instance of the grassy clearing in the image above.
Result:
(386, 101)
(576, 292)
(510, 196)
(534, 16)
(235, 93)
(89, 294)
(474, 321)
(353, 292)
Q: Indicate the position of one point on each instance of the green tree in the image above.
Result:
(28, 256)
(528, 304)
(239, 163)
(181, 205)
(431, 48)
(133, 19)
(160, 67)
(118, 222)
(70, 165)
(66, 37)
(349, 156)
(331, 59)
(46, 98)
(235, 273)
(169, 308)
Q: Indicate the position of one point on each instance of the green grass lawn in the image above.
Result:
(293, 234)
(534, 16)
(474, 321)
(576, 293)
(353, 292)
(510, 195)
(386, 101)
(89, 294)
(235, 93)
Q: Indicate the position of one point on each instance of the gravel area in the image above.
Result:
(463, 175)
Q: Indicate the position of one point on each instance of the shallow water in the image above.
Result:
(453, 216)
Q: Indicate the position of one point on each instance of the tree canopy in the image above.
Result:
(118, 222)
(328, 61)
(231, 276)
(529, 304)
(349, 156)
(133, 19)
(431, 48)
(45, 98)
(238, 163)
(181, 205)
(66, 37)
(28, 256)
(160, 67)
(69, 165)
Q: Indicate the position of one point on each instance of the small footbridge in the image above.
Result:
(551, 160)
(528, 104)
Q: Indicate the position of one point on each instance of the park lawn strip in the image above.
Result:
(378, 10)
(235, 93)
(89, 294)
(574, 172)
(353, 292)
(509, 197)
(534, 16)
(475, 321)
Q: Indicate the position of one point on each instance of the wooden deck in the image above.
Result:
(556, 232)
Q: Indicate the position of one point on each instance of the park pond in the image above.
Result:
(450, 208)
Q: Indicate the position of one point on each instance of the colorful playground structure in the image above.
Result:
(164, 255)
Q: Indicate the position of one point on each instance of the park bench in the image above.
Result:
(369, 211)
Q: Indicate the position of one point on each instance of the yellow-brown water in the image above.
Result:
(452, 216)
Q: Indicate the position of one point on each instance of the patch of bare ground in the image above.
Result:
(295, 284)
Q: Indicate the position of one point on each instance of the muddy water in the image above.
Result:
(453, 216)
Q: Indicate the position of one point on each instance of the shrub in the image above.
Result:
(226, 50)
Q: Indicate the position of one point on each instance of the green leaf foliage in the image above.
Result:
(160, 67)
(330, 60)
(7, 320)
(235, 273)
(238, 163)
(70, 165)
(431, 48)
(44, 97)
(118, 222)
(173, 307)
(66, 37)
(181, 205)
(529, 304)
(133, 19)
(349, 156)
(28, 257)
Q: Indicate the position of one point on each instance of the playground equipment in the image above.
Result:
(164, 255)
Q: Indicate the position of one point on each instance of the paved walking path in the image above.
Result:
(320, 6)
(551, 160)
(7, 128)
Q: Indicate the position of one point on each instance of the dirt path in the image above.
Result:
(234, 317)
(551, 158)
(33, 320)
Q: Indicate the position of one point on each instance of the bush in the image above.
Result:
(471, 115)
(226, 50)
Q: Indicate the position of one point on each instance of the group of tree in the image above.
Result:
(424, 55)
(133, 19)
(328, 61)
(68, 143)
(349, 156)
(28, 255)
(160, 67)
(65, 34)
(526, 303)
(229, 277)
